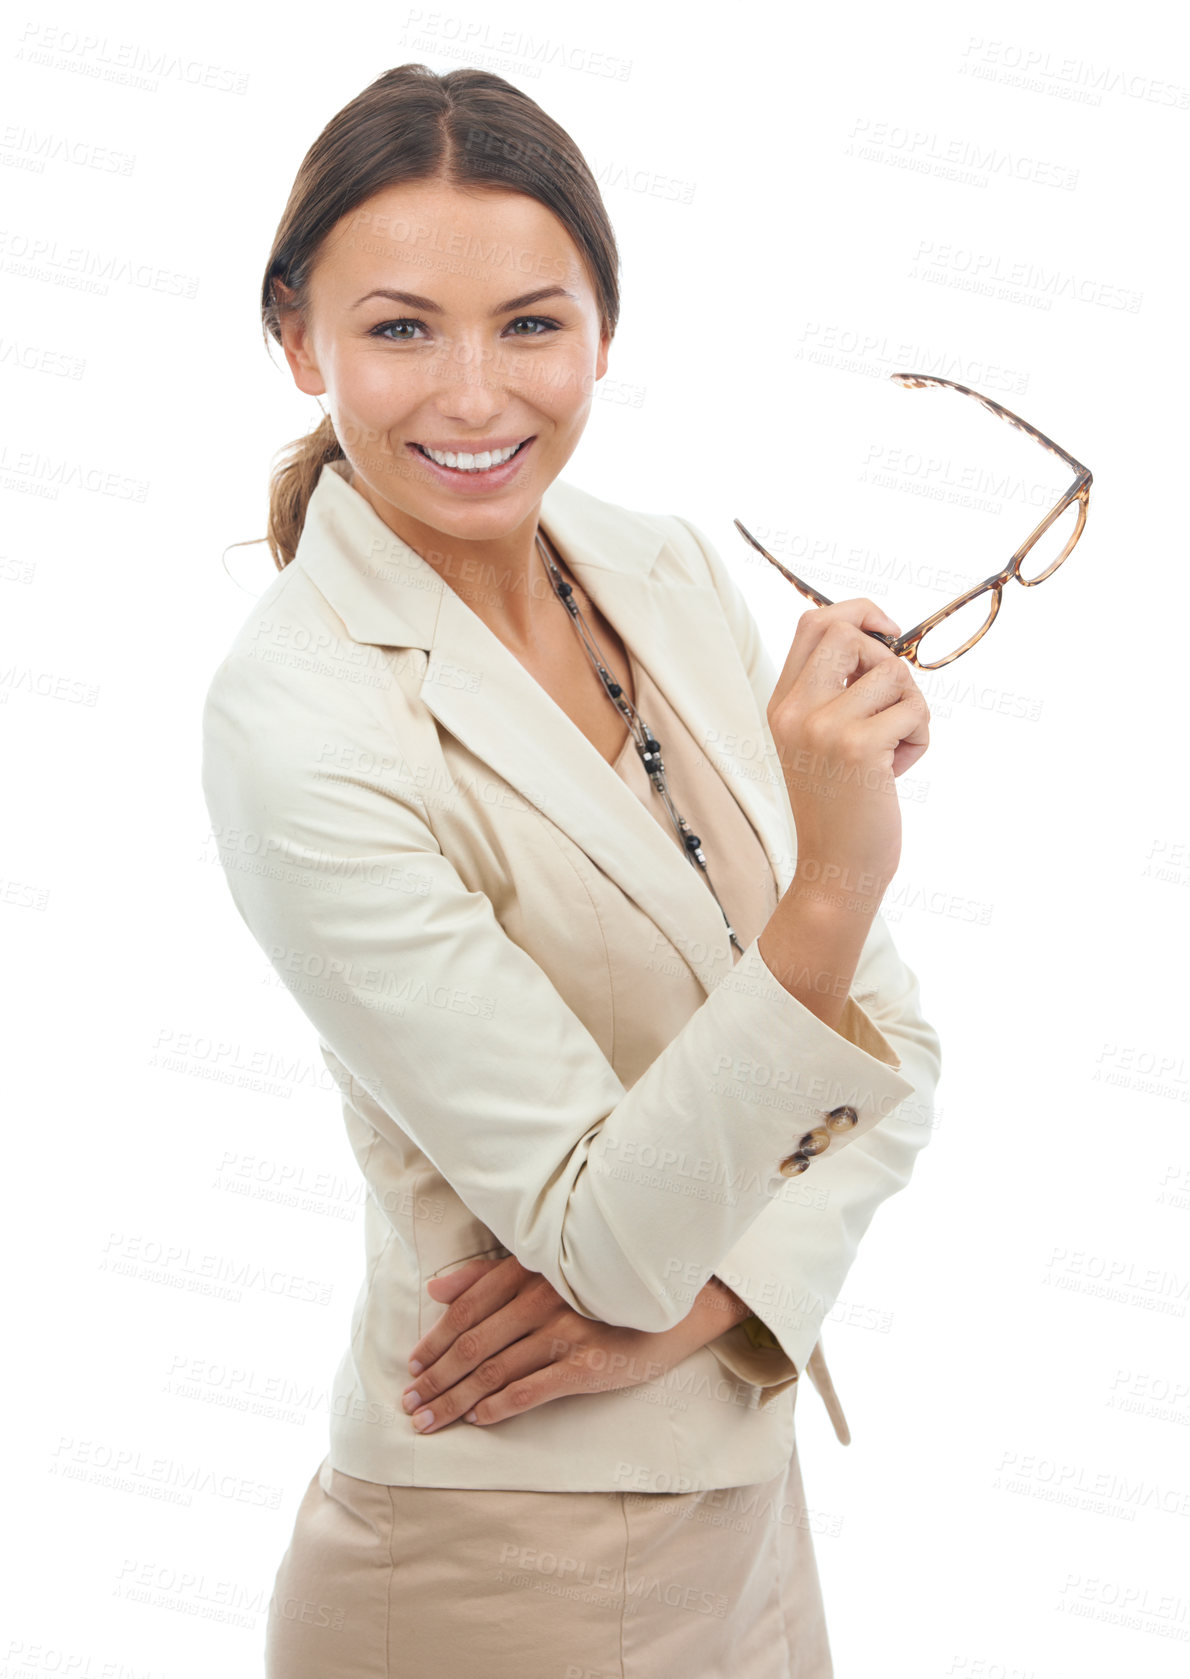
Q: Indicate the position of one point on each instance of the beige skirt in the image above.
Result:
(385, 1582)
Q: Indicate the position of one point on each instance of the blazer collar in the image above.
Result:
(387, 595)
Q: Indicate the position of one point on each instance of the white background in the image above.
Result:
(806, 200)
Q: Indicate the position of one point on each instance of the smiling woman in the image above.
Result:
(413, 447)
(584, 1051)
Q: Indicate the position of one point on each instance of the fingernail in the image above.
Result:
(470, 1417)
(411, 1401)
(423, 1419)
(415, 1367)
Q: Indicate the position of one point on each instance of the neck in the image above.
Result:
(504, 580)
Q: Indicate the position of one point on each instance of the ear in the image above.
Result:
(295, 341)
(605, 339)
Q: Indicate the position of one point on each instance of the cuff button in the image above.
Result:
(842, 1119)
(814, 1142)
(793, 1164)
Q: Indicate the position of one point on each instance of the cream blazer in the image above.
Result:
(528, 1000)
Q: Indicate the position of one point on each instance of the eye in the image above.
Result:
(387, 330)
(381, 331)
(545, 321)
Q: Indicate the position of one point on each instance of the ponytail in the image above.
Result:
(291, 485)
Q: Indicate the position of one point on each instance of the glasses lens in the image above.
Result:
(964, 624)
(1051, 546)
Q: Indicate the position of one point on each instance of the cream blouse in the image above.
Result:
(736, 862)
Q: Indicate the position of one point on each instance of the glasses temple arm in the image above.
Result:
(917, 381)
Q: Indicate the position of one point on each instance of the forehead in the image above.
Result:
(458, 245)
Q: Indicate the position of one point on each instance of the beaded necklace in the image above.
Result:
(648, 747)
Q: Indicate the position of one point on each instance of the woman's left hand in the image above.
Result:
(508, 1342)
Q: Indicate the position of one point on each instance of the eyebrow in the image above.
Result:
(413, 301)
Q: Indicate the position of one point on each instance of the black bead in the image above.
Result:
(615, 690)
(692, 842)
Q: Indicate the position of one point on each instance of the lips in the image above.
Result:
(421, 449)
(462, 482)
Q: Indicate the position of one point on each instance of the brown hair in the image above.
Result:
(468, 128)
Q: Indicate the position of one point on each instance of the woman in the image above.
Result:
(600, 1038)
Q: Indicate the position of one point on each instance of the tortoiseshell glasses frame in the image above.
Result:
(906, 645)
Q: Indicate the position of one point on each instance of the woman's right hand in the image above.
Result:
(847, 718)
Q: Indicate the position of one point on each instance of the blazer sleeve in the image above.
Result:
(792, 1261)
(336, 871)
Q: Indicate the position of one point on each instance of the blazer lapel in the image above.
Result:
(388, 596)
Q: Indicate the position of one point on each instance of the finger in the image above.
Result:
(447, 1288)
(886, 687)
(909, 722)
(487, 1340)
(884, 681)
(898, 729)
(493, 1287)
(907, 753)
(865, 615)
(841, 655)
(888, 697)
(596, 1359)
(523, 1394)
(861, 613)
(511, 1364)
(815, 623)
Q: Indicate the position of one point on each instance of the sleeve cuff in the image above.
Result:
(859, 1027)
(751, 1352)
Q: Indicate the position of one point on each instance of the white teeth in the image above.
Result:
(472, 463)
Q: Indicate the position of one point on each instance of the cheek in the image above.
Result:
(380, 408)
(373, 387)
(564, 388)
(368, 378)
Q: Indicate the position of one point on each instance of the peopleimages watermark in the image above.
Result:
(992, 273)
(1139, 1608)
(129, 1469)
(1067, 76)
(1120, 1281)
(30, 149)
(76, 690)
(51, 473)
(1168, 860)
(861, 350)
(1139, 1068)
(968, 162)
(452, 35)
(79, 268)
(223, 1276)
(130, 63)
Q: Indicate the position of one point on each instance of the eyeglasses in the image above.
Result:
(931, 644)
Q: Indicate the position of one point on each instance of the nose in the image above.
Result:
(472, 389)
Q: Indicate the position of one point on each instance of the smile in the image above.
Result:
(484, 462)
